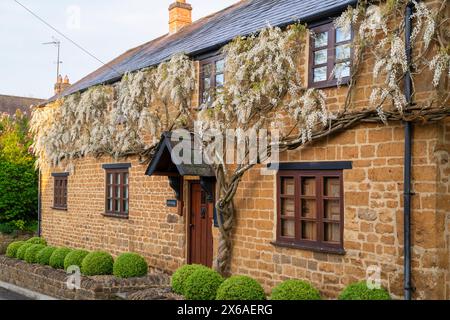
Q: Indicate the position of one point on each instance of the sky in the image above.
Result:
(105, 28)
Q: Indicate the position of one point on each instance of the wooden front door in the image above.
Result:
(200, 227)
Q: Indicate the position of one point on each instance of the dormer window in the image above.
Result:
(330, 56)
(212, 79)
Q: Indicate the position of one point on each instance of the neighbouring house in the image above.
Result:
(10, 104)
(333, 214)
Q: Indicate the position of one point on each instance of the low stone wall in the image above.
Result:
(53, 283)
(6, 239)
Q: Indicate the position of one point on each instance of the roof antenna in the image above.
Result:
(57, 44)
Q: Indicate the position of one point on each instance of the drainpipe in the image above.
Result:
(408, 160)
(39, 204)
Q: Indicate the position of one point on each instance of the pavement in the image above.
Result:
(9, 295)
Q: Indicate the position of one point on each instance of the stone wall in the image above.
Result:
(53, 283)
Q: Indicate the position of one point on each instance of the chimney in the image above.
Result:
(61, 84)
(180, 15)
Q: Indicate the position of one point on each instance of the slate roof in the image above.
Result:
(10, 104)
(212, 32)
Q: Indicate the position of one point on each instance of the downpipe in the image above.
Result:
(408, 160)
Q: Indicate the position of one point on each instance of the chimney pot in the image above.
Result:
(61, 84)
(180, 15)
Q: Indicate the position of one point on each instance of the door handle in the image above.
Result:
(203, 213)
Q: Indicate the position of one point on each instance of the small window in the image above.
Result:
(330, 56)
(212, 79)
(310, 209)
(117, 192)
(60, 191)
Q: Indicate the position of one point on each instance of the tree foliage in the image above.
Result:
(18, 177)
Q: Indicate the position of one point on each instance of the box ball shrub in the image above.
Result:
(75, 258)
(180, 276)
(240, 288)
(202, 284)
(57, 258)
(43, 256)
(130, 265)
(31, 253)
(360, 291)
(97, 264)
(11, 250)
(22, 250)
(37, 240)
(295, 290)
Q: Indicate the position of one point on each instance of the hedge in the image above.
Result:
(180, 276)
(57, 258)
(75, 258)
(202, 284)
(130, 265)
(11, 251)
(240, 288)
(295, 290)
(37, 240)
(22, 250)
(31, 253)
(360, 291)
(43, 256)
(97, 263)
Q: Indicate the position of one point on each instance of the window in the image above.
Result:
(60, 191)
(212, 78)
(330, 56)
(310, 209)
(117, 190)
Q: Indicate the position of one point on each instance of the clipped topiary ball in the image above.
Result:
(130, 265)
(31, 253)
(57, 258)
(97, 264)
(295, 290)
(240, 288)
(360, 291)
(43, 256)
(37, 240)
(75, 258)
(202, 284)
(22, 250)
(180, 276)
(11, 251)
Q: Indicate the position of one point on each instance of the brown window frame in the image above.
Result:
(213, 88)
(331, 57)
(320, 244)
(60, 190)
(121, 213)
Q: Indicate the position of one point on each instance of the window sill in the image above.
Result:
(116, 216)
(336, 251)
(59, 209)
(332, 84)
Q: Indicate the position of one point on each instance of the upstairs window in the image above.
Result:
(330, 56)
(60, 181)
(212, 79)
(117, 190)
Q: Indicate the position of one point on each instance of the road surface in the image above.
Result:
(8, 295)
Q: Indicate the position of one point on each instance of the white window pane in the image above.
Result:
(321, 40)
(342, 70)
(220, 66)
(343, 52)
(343, 35)
(321, 56)
(220, 80)
(320, 74)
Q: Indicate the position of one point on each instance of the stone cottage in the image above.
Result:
(333, 214)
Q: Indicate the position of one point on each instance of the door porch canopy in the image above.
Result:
(162, 164)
